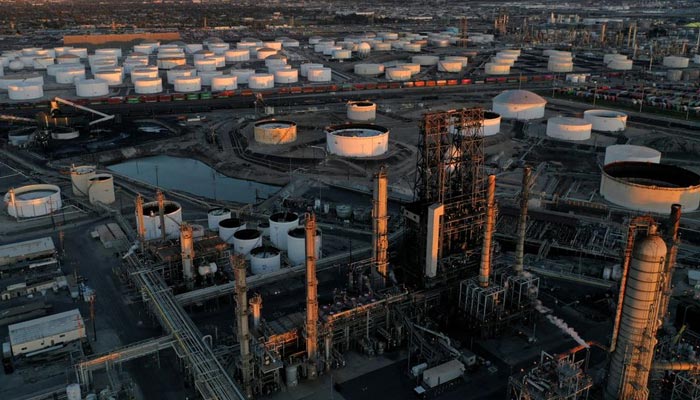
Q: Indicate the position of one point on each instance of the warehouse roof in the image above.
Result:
(43, 327)
(13, 252)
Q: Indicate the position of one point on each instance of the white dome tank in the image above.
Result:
(357, 140)
(296, 246)
(304, 68)
(246, 240)
(182, 71)
(205, 64)
(398, 74)
(101, 189)
(216, 215)
(319, 74)
(227, 227)
(80, 178)
(264, 260)
(242, 75)
(188, 84)
(261, 81)
(275, 132)
(286, 76)
(33, 200)
(148, 85)
(25, 91)
(364, 49)
(567, 128)
(171, 62)
(629, 152)
(280, 224)
(113, 77)
(425, 61)
(492, 123)
(207, 76)
(16, 65)
(237, 55)
(151, 220)
(493, 68)
(453, 66)
(606, 120)
(361, 111)
(91, 87)
(144, 72)
(676, 62)
(220, 83)
(519, 104)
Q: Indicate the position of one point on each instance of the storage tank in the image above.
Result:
(171, 62)
(273, 45)
(227, 227)
(363, 50)
(361, 111)
(218, 48)
(182, 71)
(369, 69)
(219, 60)
(620, 65)
(379, 46)
(16, 65)
(261, 81)
(357, 140)
(414, 68)
(33, 200)
(202, 54)
(674, 75)
(275, 132)
(91, 87)
(143, 48)
(319, 75)
(151, 220)
(73, 392)
(676, 62)
(43, 62)
(290, 43)
(280, 224)
(449, 66)
(113, 77)
(265, 52)
(205, 64)
(286, 76)
(567, 128)
(607, 58)
(101, 189)
(696, 59)
(246, 240)
(148, 85)
(606, 120)
(144, 72)
(68, 59)
(59, 51)
(304, 68)
(341, 54)
(425, 61)
(6, 81)
(188, 84)
(80, 178)
(221, 83)
(64, 133)
(440, 42)
(79, 51)
(242, 75)
(207, 76)
(630, 152)
(129, 65)
(113, 52)
(398, 74)
(237, 55)
(558, 65)
(25, 91)
(264, 259)
(215, 216)
(314, 40)
(504, 61)
(492, 123)
(275, 60)
(296, 246)
(412, 47)
(493, 68)
(519, 104)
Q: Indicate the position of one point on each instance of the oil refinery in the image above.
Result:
(335, 200)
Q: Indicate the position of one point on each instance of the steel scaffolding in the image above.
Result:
(554, 378)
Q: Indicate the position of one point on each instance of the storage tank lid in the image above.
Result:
(519, 97)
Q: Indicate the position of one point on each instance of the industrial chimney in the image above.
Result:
(311, 296)
(522, 224)
(485, 270)
(380, 242)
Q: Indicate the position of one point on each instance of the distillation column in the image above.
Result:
(187, 252)
(160, 198)
(380, 242)
(485, 270)
(636, 338)
(674, 240)
(256, 310)
(522, 224)
(139, 220)
(311, 296)
(238, 265)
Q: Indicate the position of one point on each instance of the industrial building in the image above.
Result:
(32, 337)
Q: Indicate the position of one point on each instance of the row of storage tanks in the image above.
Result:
(501, 63)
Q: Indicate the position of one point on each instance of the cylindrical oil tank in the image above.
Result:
(398, 74)
(607, 58)
(369, 69)
(148, 85)
(207, 76)
(151, 220)
(493, 68)
(414, 68)
(202, 54)
(275, 132)
(33, 200)
(425, 61)
(341, 54)
(362, 111)
(264, 228)
(261, 81)
(630, 152)
(560, 66)
(79, 51)
(674, 75)
(205, 64)
(449, 66)
(70, 74)
(101, 189)
(80, 178)
(275, 60)
(519, 104)
(227, 227)
(504, 61)
(567, 128)
(43, 62)
(264, 259)
(246, 240)
(440, 42)
(129, 65)
(242, 75)
(379, 46)
(265, 52)
(192, 48)
(144, 72)
(219, 60)
(296, 246)
(113, 77)
(286, 76)
(218, 48)
(304, 68)
(274, 68)
(606, 120)
(237, 55)
(101, 61)
(68, 59)
(357, 140)
(676, 62)
(182, 71)
(114, 52)
(220, 83)
(6, 81)
(620, 65)
(412, 47)
(280, 224)
(492, 123)
(216, 215)
(91, 87)
(143, 48)
(187, 85)
(319, 75)
(171, 62)
(59, 51)
(314, 40)
(637, 329)
(25, 91)
(16, 65)
(289, 43)
(64, 133)
(246, 45)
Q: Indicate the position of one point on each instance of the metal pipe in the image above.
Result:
(676, 366)
(239, 272)
(311, 296)
(380, 225)
(522, 224)
(140, 225)
(485, 270)
(160, 198)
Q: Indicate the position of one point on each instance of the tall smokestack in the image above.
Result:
(380, 242)
(140, 227)
(311, 296)
(485, 270)
(522, 224)
(160, 198)
(673, 239)
(238, 265)
(187, 252)
(256, 310)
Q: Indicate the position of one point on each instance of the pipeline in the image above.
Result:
(485, 270)
(522, 224)
(676, 366)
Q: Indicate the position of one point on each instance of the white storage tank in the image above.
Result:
(286, 76)
(363, 49)
(144, 72)
(237, 55)
(219, 60)
(414, 68)
(620, 65)
(220, 83)
(205, 64)
(265, 52)
(361, 111)
(151, 220)
(59, 51)
(101, 189)
(188, 84)
(261, 81)
(182, 71)
(280, 224)
(425, 61)
(215, 216)
(629, 152)
(369, 69)
(68, 59)
(171, 62)
(440, 42)
(606, 120)
(25, 91)
(296, 246)
(275, 132)
(398, 74)
(207, 76)
(558, 65)
(43, 62)
(16, 65)
(143, 48)
(450, 66)
(242, 75)
(314, 40)
(229, 226)
(342, 54)
(519, 104)
(379, 46)
(607, 58)
(264, 260)
(567, 128)
(148, 85)
(192, 48)
(33, 200)
(79, 51)
(676, 62)
(289, 43)
(113, 52)
(492, 123)
(273, 45)
(202, 54)
(493, 68)
(505, 61)
(6, 81)
(218, 48)
(357, 140)
(113, 77)
(319, 75)
(80, 178)
(91, 87)
(304, 68)
(412, 47)
(246, 240)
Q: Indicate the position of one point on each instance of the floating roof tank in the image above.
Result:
(519, 104)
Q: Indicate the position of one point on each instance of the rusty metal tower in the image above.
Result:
(380, 230)
(243, 333)
(311, 297)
